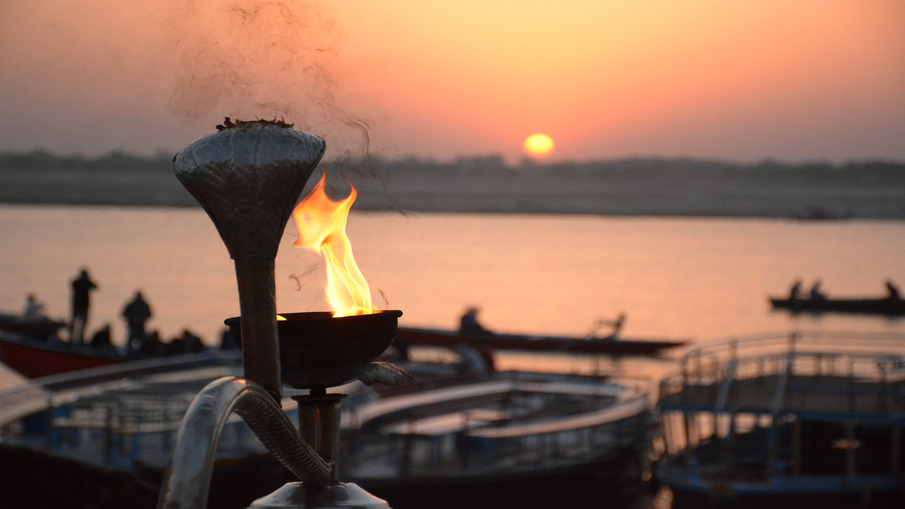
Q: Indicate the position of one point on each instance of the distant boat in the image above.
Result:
(812, 420)
(611, 345)
(877, 306)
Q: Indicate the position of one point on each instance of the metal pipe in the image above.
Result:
(257, 304)
(319, 425)
(187, 478)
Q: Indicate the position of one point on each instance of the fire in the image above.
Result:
(321, 223)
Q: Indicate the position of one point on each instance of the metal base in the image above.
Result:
(296, 495)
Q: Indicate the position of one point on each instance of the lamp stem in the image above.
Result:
(260, 340)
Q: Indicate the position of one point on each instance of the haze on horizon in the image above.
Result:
(792, 80)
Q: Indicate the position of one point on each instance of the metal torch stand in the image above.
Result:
(319, 427)
(188, 474)
(248, 178)
(319, 424)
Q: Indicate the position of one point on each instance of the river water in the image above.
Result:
(700, 279)
(676, 278)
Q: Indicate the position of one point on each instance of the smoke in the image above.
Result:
(263, 59)
(299, 278)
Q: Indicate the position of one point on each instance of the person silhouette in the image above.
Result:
(81, 300)
(137, 312)
(469, 324)
(101, 338)
(816, 292)
(892, 290)
(191, 342)
(33, 310)
(795, 291)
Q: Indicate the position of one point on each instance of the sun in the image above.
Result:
(539, 146)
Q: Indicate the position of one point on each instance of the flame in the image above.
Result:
(321, 223)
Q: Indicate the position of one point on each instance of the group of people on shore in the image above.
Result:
(136, 313)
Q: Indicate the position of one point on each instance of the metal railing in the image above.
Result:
(396, 446)
(49, 392)
(858, 357)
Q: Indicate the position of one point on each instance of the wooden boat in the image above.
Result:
(33, 348)
(799, 420)
(43, 354)
(39, 327)
(505, 439)
(877, 306)
(411, 336)
(34, 358)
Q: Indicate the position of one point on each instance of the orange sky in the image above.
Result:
(792, 80)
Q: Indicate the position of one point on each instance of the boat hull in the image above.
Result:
(501, 440)
(34, 359)
(561, 344)
(33, 480)
(888, 307)
(586, 486)
(767, 421)
(805, 493)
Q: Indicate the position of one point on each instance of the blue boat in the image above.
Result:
(786, 420)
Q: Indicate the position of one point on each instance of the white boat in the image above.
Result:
(506, 439)
(116, 425)
(111, 428)
(787, 420)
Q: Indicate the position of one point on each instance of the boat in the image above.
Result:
(105, 433)
(32, 347)
(502, 439)
(609, 345)
(35, 358)
(115, 425)
(876, 306)
(37, 327)
(805, 419)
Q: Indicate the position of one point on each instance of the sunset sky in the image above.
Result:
(792, 80)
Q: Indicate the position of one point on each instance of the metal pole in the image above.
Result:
(319, 425)
(896, 448)
(260, 341)
(796, 447)
(850, 449)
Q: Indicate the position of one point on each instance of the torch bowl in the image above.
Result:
(319, 351)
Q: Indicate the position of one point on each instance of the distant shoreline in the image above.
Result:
(635, 187)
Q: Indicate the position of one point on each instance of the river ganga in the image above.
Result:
(674, 278)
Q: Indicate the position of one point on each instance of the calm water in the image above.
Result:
(673, 277)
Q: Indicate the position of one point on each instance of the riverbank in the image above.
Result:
(630, 187)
